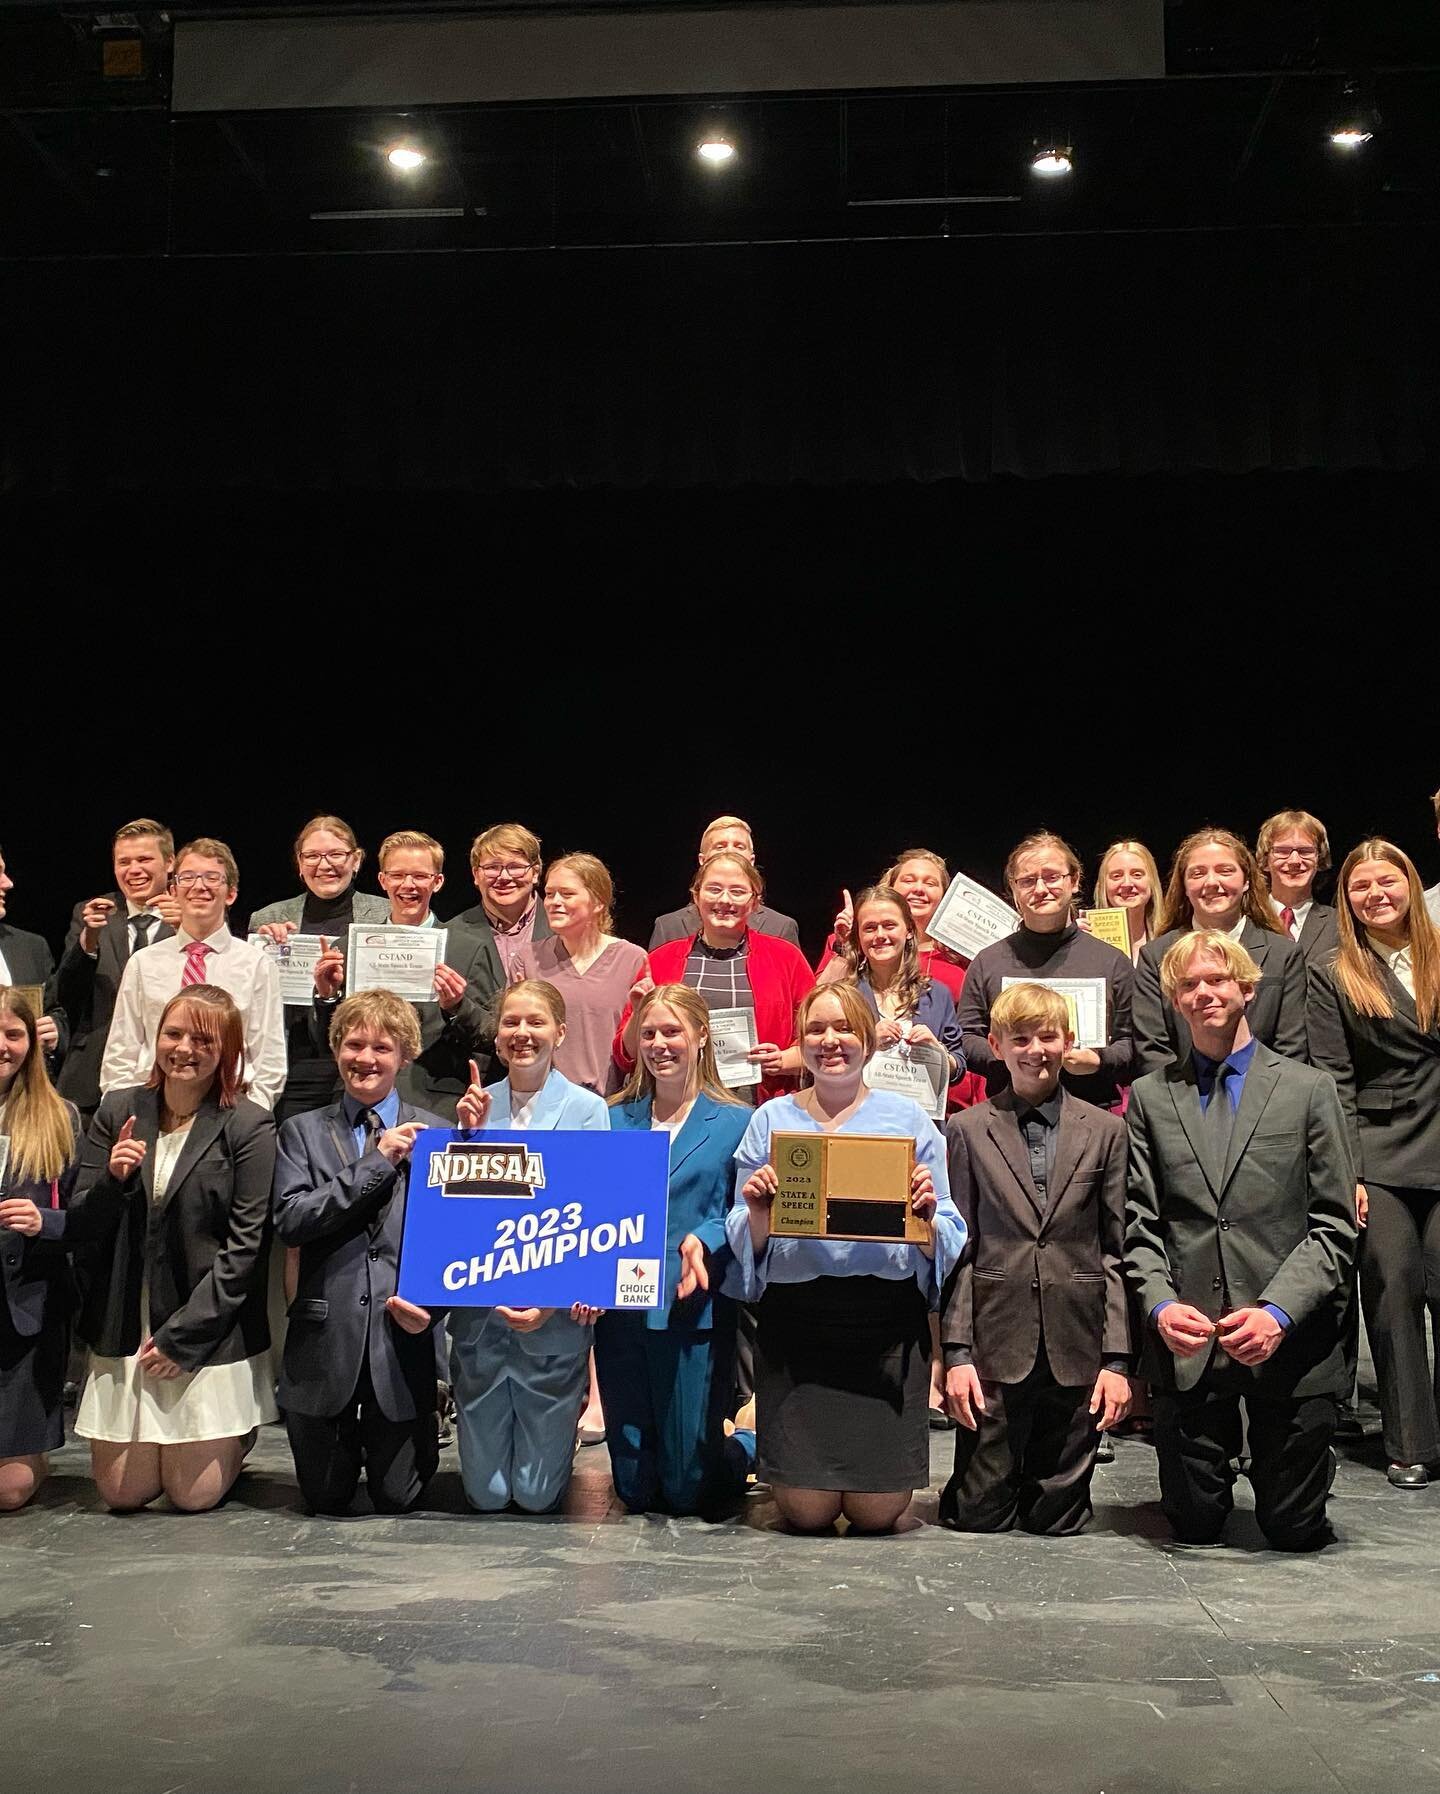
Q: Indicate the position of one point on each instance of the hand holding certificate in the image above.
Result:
(732, 1034)
(968, 917)
(295, 960)
(402, 960)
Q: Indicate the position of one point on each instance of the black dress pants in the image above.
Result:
(1030, 1462)
(1198, 1433)
(398, 1456)
(1399, 1280)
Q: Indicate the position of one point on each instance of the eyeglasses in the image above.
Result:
(408, 878)
(210, 881)
(717, 893)
(335, 857)
(512, 869)
(1304, 854)
(1052, 876)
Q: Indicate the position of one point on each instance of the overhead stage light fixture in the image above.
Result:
(1356, 118)
(1350, 137)
(1051, 160)
(404, 158)
(715, 149)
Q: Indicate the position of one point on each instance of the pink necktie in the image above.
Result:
(1287, 916)
(194, 972)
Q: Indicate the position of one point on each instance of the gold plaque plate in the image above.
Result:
(34, 995)
(845, 1187)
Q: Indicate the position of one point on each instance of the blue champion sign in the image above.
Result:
(535, 1220)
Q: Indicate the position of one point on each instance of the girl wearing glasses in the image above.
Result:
(328, 858)
(1043, 873)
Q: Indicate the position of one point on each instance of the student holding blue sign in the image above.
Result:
(666, 1373)
(842, 1366)
(520, 1375)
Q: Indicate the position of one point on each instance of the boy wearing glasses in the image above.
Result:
(1043, 873)
(201, 951)
(505, 865)
(1293, 849)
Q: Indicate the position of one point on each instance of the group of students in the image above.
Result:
(1173, 1216)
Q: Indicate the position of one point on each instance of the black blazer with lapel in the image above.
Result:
(346, 1212)
(35, 1272)
(87, 990)
(31, 962)
(1274, 1223)
(1027, 1268)
(1320, 936)
(475, 918)
(1276, 1014)
(204, 1248)
(1387, 1070)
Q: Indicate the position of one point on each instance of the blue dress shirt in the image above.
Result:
(388, 1109)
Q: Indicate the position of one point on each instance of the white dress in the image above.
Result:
(121, 1406)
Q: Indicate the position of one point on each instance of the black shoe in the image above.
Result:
(940, 1421)
(1105, 1450)
(1408, 1476)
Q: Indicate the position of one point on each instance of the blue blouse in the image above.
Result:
(797, 1261)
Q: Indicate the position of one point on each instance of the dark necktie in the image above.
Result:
(141, 924)
(1219, 1118)
(373, 1127)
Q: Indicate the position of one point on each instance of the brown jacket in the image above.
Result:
(1024, 1266)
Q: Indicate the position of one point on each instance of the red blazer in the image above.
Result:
(779, 978)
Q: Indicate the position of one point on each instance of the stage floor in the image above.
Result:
(256, 1649)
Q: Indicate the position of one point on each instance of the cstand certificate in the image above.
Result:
(295, 962)
(919, 1072)
(968, 917)
(402, 960)
(732, 1034)
(1084, 998)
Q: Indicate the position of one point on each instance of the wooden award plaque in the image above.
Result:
(845, 1187)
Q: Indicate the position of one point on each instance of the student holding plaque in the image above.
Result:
(1043, 873)
(327, 857)
(1292, 850)
(843, 1350)
(1127, 878)
(734, 967)
(520, 1375)
(170, 1219)
(1036, 1325)
(666, 1374)
(1374, 1025)
(1215, 885)
(26, 963)
(39, 1157)
(357, 1381)
(589, 966)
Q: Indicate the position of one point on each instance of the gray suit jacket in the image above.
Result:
(1029, 1271)
(290, 909)
(346, 1212)
(1277, 1010)
(1275, 1223)
(87, 989)
(680, 924)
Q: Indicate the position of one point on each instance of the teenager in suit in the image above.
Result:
(666, 1375)
(1240, 1248)
(171, 1220)
(726, 834)
(357, 1380)
(26, 961)
(520, 1375)
(1292, 850)
(1375, 1027)
(1215, 885)
(459, 1026)
(1036, 1327)
(104, 932)
(505, 865)
(39, 1156)
(328, 857)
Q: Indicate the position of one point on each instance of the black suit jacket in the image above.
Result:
(346, 1212)
(1276, 1014)
(31, 962)
(35, 1272)
(87, 989)
(1030, 1271)
(204, 1248)
(475, 918)
(680, 924)
(1387, 1070)
(1320, 936)
(1274, 1223)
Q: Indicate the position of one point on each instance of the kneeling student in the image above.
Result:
(1036, 1328)
(358, 1378)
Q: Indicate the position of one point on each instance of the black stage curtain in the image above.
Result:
(719, 367)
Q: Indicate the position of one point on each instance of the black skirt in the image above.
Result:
(842, 1385)
(32, 1383)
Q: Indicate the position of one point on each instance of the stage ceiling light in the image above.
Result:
(715, 150)
(1351, 136)
(405, 158)
(1051, 160)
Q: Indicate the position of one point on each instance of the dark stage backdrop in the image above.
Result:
(855, 670)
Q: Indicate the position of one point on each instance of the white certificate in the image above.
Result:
(732, 1034)
(968, 917)
(920, 1072)
(295, 962)
(402, 960)
(1084, 998)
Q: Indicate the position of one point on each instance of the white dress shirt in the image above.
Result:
(1398, 960)
(5, 977)
(1299, 910)
(152, 977)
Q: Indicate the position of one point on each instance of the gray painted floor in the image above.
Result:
(254, 1648)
